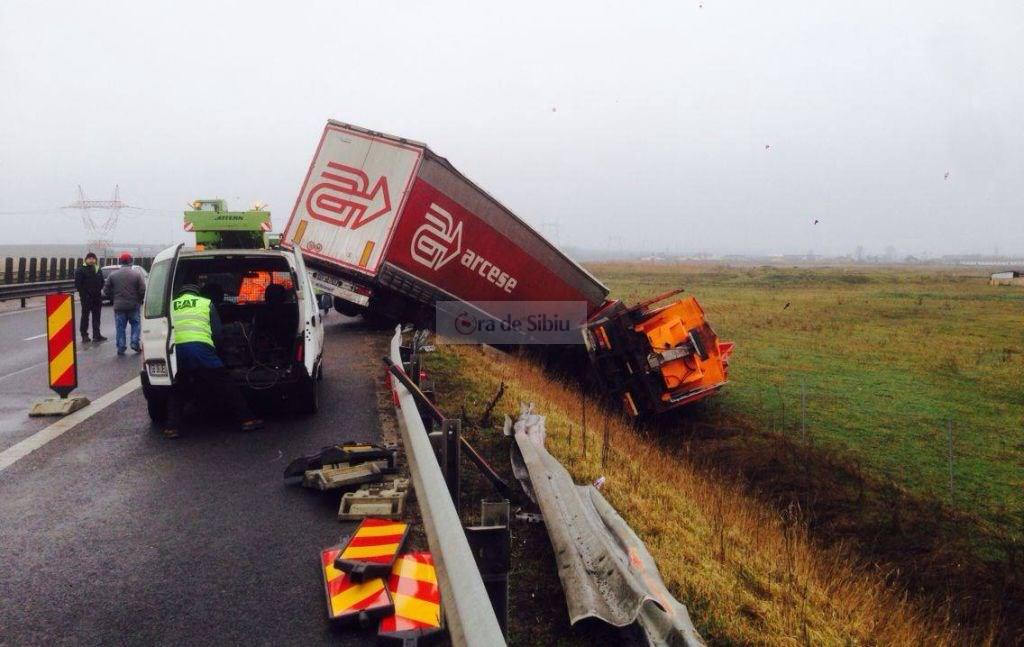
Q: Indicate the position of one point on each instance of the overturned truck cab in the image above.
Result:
(653, 359)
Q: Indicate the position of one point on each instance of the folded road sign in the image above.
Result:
(349, 453)
(417, 598)
(371, 550)
(330, 477)
(349, 601)
(384, 500)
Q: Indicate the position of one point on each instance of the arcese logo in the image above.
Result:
(439, 240)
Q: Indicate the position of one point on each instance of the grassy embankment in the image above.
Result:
(749, 574)
(886, 359)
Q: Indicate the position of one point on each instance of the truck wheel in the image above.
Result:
(347, 308)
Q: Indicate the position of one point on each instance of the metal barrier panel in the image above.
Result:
(467, 607)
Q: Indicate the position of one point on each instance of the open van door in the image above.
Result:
(312, 318)
(157, 360)
(158, 367)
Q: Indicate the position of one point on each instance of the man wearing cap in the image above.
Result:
(196, 325)
(127, 288)
(89, 283)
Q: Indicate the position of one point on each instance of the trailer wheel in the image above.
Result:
(347, 308)
(377, 320)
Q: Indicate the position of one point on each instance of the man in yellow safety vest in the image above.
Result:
(196, 325)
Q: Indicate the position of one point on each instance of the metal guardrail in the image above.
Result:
(467, 608)
(37, 289)
(24, 278)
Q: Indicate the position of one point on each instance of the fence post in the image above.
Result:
(604, 445)
(583, 405)
(8, 270)
(63, 269)
(803, 411)
(33, 274)
(949, 430)
(53, 269)
(21, 270)
(43, 267)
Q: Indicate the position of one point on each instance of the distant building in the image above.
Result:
(1009, 277)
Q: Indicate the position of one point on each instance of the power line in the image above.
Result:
(100, 231)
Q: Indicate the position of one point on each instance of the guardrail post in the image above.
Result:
(470, 618)
(451, 430)
(8, 270)
(63, 269)
(21, 270)
(53, 269)
(43, 267)
(491, 543)
(32, 270)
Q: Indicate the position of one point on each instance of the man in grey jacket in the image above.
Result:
(126, 288)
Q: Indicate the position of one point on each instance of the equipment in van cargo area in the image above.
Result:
(389, 228)
(271, 334)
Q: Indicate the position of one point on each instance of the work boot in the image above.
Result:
(170, 433)
(120, 351)
(85, 338)
(252, 425)
(100, 338)
(136, 348)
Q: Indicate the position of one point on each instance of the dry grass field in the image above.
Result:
(749, 574)
(810, 501)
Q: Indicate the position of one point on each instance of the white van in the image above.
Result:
(272, 327)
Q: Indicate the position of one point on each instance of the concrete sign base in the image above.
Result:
(58, 406)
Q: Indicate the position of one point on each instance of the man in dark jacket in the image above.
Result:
(127, 288)
(89, 283)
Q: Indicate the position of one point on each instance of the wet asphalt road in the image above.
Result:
(111, 534)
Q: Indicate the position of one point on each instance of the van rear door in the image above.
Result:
(156, 318)
(312, 319)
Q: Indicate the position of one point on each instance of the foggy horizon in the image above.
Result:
(725, 128)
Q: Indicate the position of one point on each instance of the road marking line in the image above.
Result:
(21, 311)
(19, 372)
(13, 454)
(34, 337)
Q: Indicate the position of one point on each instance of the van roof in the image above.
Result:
(193, 253)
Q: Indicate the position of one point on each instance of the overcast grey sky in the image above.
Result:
(629, 124)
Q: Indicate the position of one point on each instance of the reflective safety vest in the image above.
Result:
(190, 316)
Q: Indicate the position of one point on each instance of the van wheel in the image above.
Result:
(307, 398)
(157, 407)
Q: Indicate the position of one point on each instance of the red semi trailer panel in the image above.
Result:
(352, 197)
(388, 214)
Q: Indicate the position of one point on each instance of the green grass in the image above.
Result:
(886, 357)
